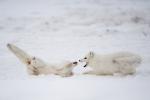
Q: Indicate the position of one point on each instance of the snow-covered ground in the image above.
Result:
(57, 30)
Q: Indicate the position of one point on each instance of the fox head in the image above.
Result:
(87, 58)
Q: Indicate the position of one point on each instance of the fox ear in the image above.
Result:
(91, 54)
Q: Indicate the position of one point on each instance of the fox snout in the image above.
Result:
(81, 60)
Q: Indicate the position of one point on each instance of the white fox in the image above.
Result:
(122, 62)
(36, 66)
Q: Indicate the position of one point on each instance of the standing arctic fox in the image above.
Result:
(36, 66)
(122, 62)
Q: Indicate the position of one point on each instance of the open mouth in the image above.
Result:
(85, 65)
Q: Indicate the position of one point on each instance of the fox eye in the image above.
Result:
(85, 58)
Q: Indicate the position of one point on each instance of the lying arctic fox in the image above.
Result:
(36, 66)
(122, 62)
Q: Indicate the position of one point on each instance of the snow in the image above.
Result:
(57, 30)
(77, 88)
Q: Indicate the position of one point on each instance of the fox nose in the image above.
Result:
(79, 60)
(75, 62)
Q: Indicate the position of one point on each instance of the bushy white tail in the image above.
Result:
(22, 55)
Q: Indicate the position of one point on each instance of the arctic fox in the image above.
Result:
(36, 66)
(122, 62)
